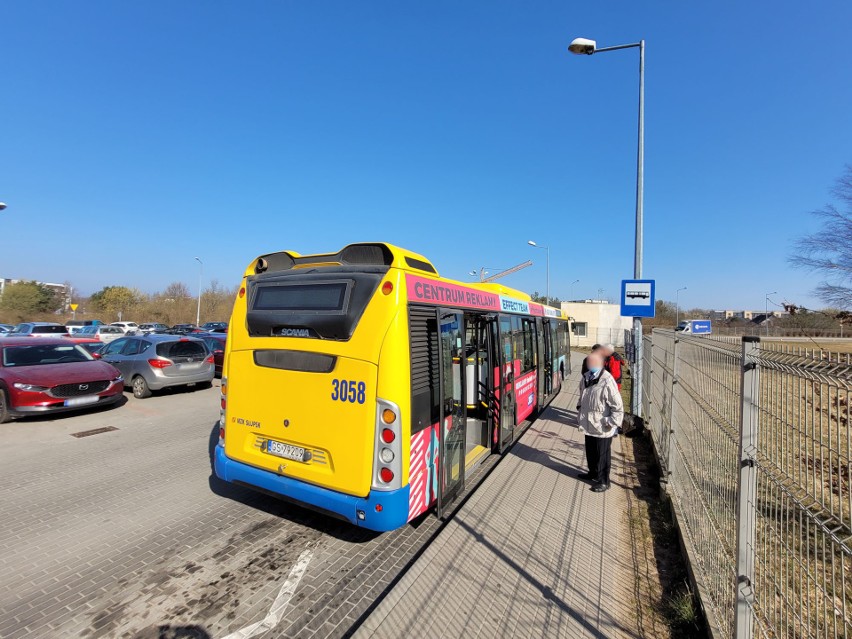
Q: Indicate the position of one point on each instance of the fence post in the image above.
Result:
(747, 488)
(670, 427)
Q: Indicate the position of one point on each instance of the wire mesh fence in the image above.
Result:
(754, 442)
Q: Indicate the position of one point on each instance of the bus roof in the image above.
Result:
(364, 253)
(383, 254)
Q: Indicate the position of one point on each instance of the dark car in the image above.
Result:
(52, 375)
(216, 343)
(183, 329)
(210, 327)
(152, 362)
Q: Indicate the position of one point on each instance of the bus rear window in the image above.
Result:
(313, 297)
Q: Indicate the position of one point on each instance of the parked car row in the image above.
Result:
(57, 374)
(106, 332)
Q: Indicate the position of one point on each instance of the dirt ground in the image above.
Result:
(665, 605)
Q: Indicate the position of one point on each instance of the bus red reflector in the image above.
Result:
(386, 475)
(242, 291)
(387, 287)
(223, 403)
(221, 433)
(378, 508)
(388, 435)
(159, 363)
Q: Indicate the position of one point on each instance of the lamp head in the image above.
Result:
(531, 243)
(582, 46)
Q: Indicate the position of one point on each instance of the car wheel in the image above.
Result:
(4, 408)
(140, 388)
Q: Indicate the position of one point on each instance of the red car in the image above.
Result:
(216, 343)
(52, 375)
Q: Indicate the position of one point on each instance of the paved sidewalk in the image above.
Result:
(533, 553)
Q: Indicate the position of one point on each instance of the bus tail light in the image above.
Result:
(387, 452)
(223, 404)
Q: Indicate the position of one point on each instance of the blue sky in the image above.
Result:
(136, 136)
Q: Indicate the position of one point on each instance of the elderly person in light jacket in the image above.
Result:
(600, 413)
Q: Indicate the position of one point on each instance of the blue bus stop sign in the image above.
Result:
(638, 298)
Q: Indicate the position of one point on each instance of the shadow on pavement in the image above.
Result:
(545, 590)
(278, 506)
(175, 632)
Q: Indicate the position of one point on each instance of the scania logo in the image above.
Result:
(83, 387)
(294, 332)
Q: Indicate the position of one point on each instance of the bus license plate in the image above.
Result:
(285, 450)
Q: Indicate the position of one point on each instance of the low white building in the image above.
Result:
(596, 322)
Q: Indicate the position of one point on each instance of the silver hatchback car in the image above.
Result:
(154, 362)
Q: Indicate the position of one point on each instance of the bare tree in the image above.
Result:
(829, 250)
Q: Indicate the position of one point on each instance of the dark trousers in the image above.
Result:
(598, 455)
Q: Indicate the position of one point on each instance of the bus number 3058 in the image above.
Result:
(343, 390)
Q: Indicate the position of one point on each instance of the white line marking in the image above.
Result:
(280, 604)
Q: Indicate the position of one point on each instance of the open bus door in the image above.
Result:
(451, 441)
(506, 384)
(548, 357)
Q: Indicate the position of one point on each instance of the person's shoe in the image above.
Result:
(599, 488)
(584, 476)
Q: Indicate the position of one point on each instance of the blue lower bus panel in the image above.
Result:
(381, 511)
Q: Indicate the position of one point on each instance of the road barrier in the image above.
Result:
(753, 441)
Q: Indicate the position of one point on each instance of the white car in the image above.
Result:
(106, 334)
(131, 328)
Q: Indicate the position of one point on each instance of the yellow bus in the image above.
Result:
(364, 385)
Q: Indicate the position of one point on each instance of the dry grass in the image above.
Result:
(665, 605)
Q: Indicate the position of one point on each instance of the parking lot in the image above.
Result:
(126, 533)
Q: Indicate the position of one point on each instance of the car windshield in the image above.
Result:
(55, 330)
(37, 355)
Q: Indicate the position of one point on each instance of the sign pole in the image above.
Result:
(638, 300)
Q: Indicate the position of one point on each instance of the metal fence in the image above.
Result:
(753, 440)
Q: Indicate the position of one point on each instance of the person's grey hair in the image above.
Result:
(609, 347)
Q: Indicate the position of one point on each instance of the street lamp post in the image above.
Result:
(571, 290)
(200, 272)
(546, 248)
(766, 311)
(583, 46)
(677, 306)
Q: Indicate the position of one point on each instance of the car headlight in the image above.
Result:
(30, 387)
(118, 379)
